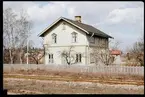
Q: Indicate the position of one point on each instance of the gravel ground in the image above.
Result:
(29, 86)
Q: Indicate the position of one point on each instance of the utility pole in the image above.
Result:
(27, 51)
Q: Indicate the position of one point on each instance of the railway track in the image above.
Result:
(59, 78)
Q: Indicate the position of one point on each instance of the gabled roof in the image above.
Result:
(116, 52)
(84, 27)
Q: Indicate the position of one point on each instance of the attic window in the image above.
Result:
(63, 26)
(54, 38)
(74, 37)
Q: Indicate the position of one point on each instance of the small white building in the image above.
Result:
(117, 56)
(65, 33)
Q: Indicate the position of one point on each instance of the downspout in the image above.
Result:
(89, 49)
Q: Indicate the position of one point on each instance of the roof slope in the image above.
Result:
(116, 52)
(89, 28)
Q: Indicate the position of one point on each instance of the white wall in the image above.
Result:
(64, 41)
(117, 60)
(56, 51)
(64, 37)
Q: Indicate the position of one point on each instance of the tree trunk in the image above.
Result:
(20, 58)
(11, 56)
(37, 62)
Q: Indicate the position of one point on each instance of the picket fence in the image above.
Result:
(111, 69)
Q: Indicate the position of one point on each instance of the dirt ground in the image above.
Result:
(25, 85)
(78, 75)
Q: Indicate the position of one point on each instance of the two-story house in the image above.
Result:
(64, 33)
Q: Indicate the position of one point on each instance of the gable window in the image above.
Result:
(54, 38)
(63, 26)
(78, 58)
(50, 57)
(74, 37)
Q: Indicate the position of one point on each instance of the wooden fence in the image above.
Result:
(112, 69)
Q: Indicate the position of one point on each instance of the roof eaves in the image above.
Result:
(40, 35)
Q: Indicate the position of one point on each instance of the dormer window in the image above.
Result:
(74, 37)
(54, 38)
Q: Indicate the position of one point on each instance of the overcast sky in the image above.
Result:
(122, 20)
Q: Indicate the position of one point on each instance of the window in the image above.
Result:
(78, 58)
(74, 37)
(63, 26)
(97, 41)
(92, 59)
(103, 42)
(50, 56)
(54, 38)
(100, 42)
(92, 39)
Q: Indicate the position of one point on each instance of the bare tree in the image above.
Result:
(101, 53)
(69, 55)
(137, 51)
(37, 54)
(9, 19)
(15, 28)
(115, 44)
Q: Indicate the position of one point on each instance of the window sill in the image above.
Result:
(74, 42)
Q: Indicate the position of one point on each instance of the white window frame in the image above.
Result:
(78, 58)
(54, 38)
(74, 37)
(50, 58)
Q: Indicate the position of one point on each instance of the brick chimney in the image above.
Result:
(78, 18)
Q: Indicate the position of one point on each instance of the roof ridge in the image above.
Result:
(76, 21)
(85, 27)
(88, 25)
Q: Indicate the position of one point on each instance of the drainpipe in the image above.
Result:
(92, 35)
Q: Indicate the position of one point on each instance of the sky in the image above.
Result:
(122, 20)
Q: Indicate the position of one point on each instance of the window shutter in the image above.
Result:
(49, 56)
(52, 57)
(76, 57)
(80, 58)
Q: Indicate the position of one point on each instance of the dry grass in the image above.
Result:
(74, 75)
(82, 77)
(61, 87)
